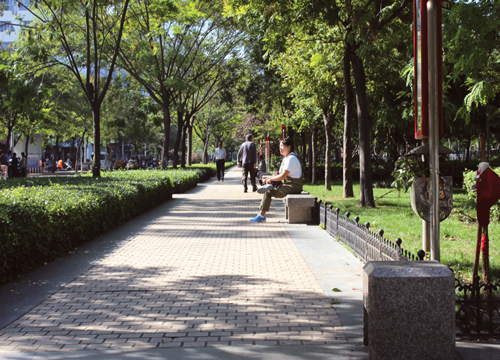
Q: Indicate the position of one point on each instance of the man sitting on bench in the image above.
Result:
(290, 175)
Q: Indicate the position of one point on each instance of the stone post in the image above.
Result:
(409, 310)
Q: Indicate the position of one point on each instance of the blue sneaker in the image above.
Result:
(258, 218)
(265, 188)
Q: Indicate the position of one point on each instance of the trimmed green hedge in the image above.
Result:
(43, 218)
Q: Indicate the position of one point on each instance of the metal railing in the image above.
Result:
(477, 311)
(365, 243)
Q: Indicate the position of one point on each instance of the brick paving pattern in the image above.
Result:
(202, 275)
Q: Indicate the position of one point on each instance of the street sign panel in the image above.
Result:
(421, 94)
(446, 4)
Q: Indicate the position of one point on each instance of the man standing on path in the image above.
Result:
(220, 159)
(247, 157)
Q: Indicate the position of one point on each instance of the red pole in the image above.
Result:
(267, 147)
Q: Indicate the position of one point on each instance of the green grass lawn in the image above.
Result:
(393, 214)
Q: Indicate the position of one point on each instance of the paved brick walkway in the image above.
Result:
(201, 275)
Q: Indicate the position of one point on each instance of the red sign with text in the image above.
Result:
(421, 81)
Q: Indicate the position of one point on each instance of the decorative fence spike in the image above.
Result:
(366, 243)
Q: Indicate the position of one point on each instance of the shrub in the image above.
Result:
(43, 218)
(196, 158)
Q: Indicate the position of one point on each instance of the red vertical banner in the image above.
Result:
(283, 131)
(421, 81)
(267, 147)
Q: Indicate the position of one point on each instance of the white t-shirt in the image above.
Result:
(220, 153)
(292, 164)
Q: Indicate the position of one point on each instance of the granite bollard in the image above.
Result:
(409, 310)
(298, 208)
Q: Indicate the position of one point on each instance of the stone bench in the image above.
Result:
(299, 208)
(263, 175)
(409, 310)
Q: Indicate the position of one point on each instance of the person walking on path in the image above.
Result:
(14, 164)
(220, 159)
(247, 159)
(291, 176)
(24, 164)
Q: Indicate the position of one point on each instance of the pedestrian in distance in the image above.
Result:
(290, 176)
(8, 156)
(4, 166)
(220, 160)
(14, 164)
(24, 164)
(247, 159)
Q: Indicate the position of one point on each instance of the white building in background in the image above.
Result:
(11, 19)
(34, 153)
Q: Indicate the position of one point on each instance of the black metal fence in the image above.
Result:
(365, 243)
(477, 309)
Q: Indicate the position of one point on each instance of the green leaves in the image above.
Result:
(406, 169)
(42, 218)
(480, 93)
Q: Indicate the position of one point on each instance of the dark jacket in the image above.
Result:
(247, 153)
(14, 162)
(3, 160)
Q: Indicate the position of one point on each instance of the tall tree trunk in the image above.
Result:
(205, 143)
(183, 144)
(205, 150)
(72, 151)
(180, 130)
(26, 145)
(79, 151)
(365, 164)
(10, 129)
(77, 157)
(304, 147)
(55, 153)
(96, 117)
(328, 120)
(166, 134)
(190, 143)
(467, 154)
(348, 116)
(314, 145)
(309, 157)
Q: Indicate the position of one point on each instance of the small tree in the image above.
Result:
(83, 37)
